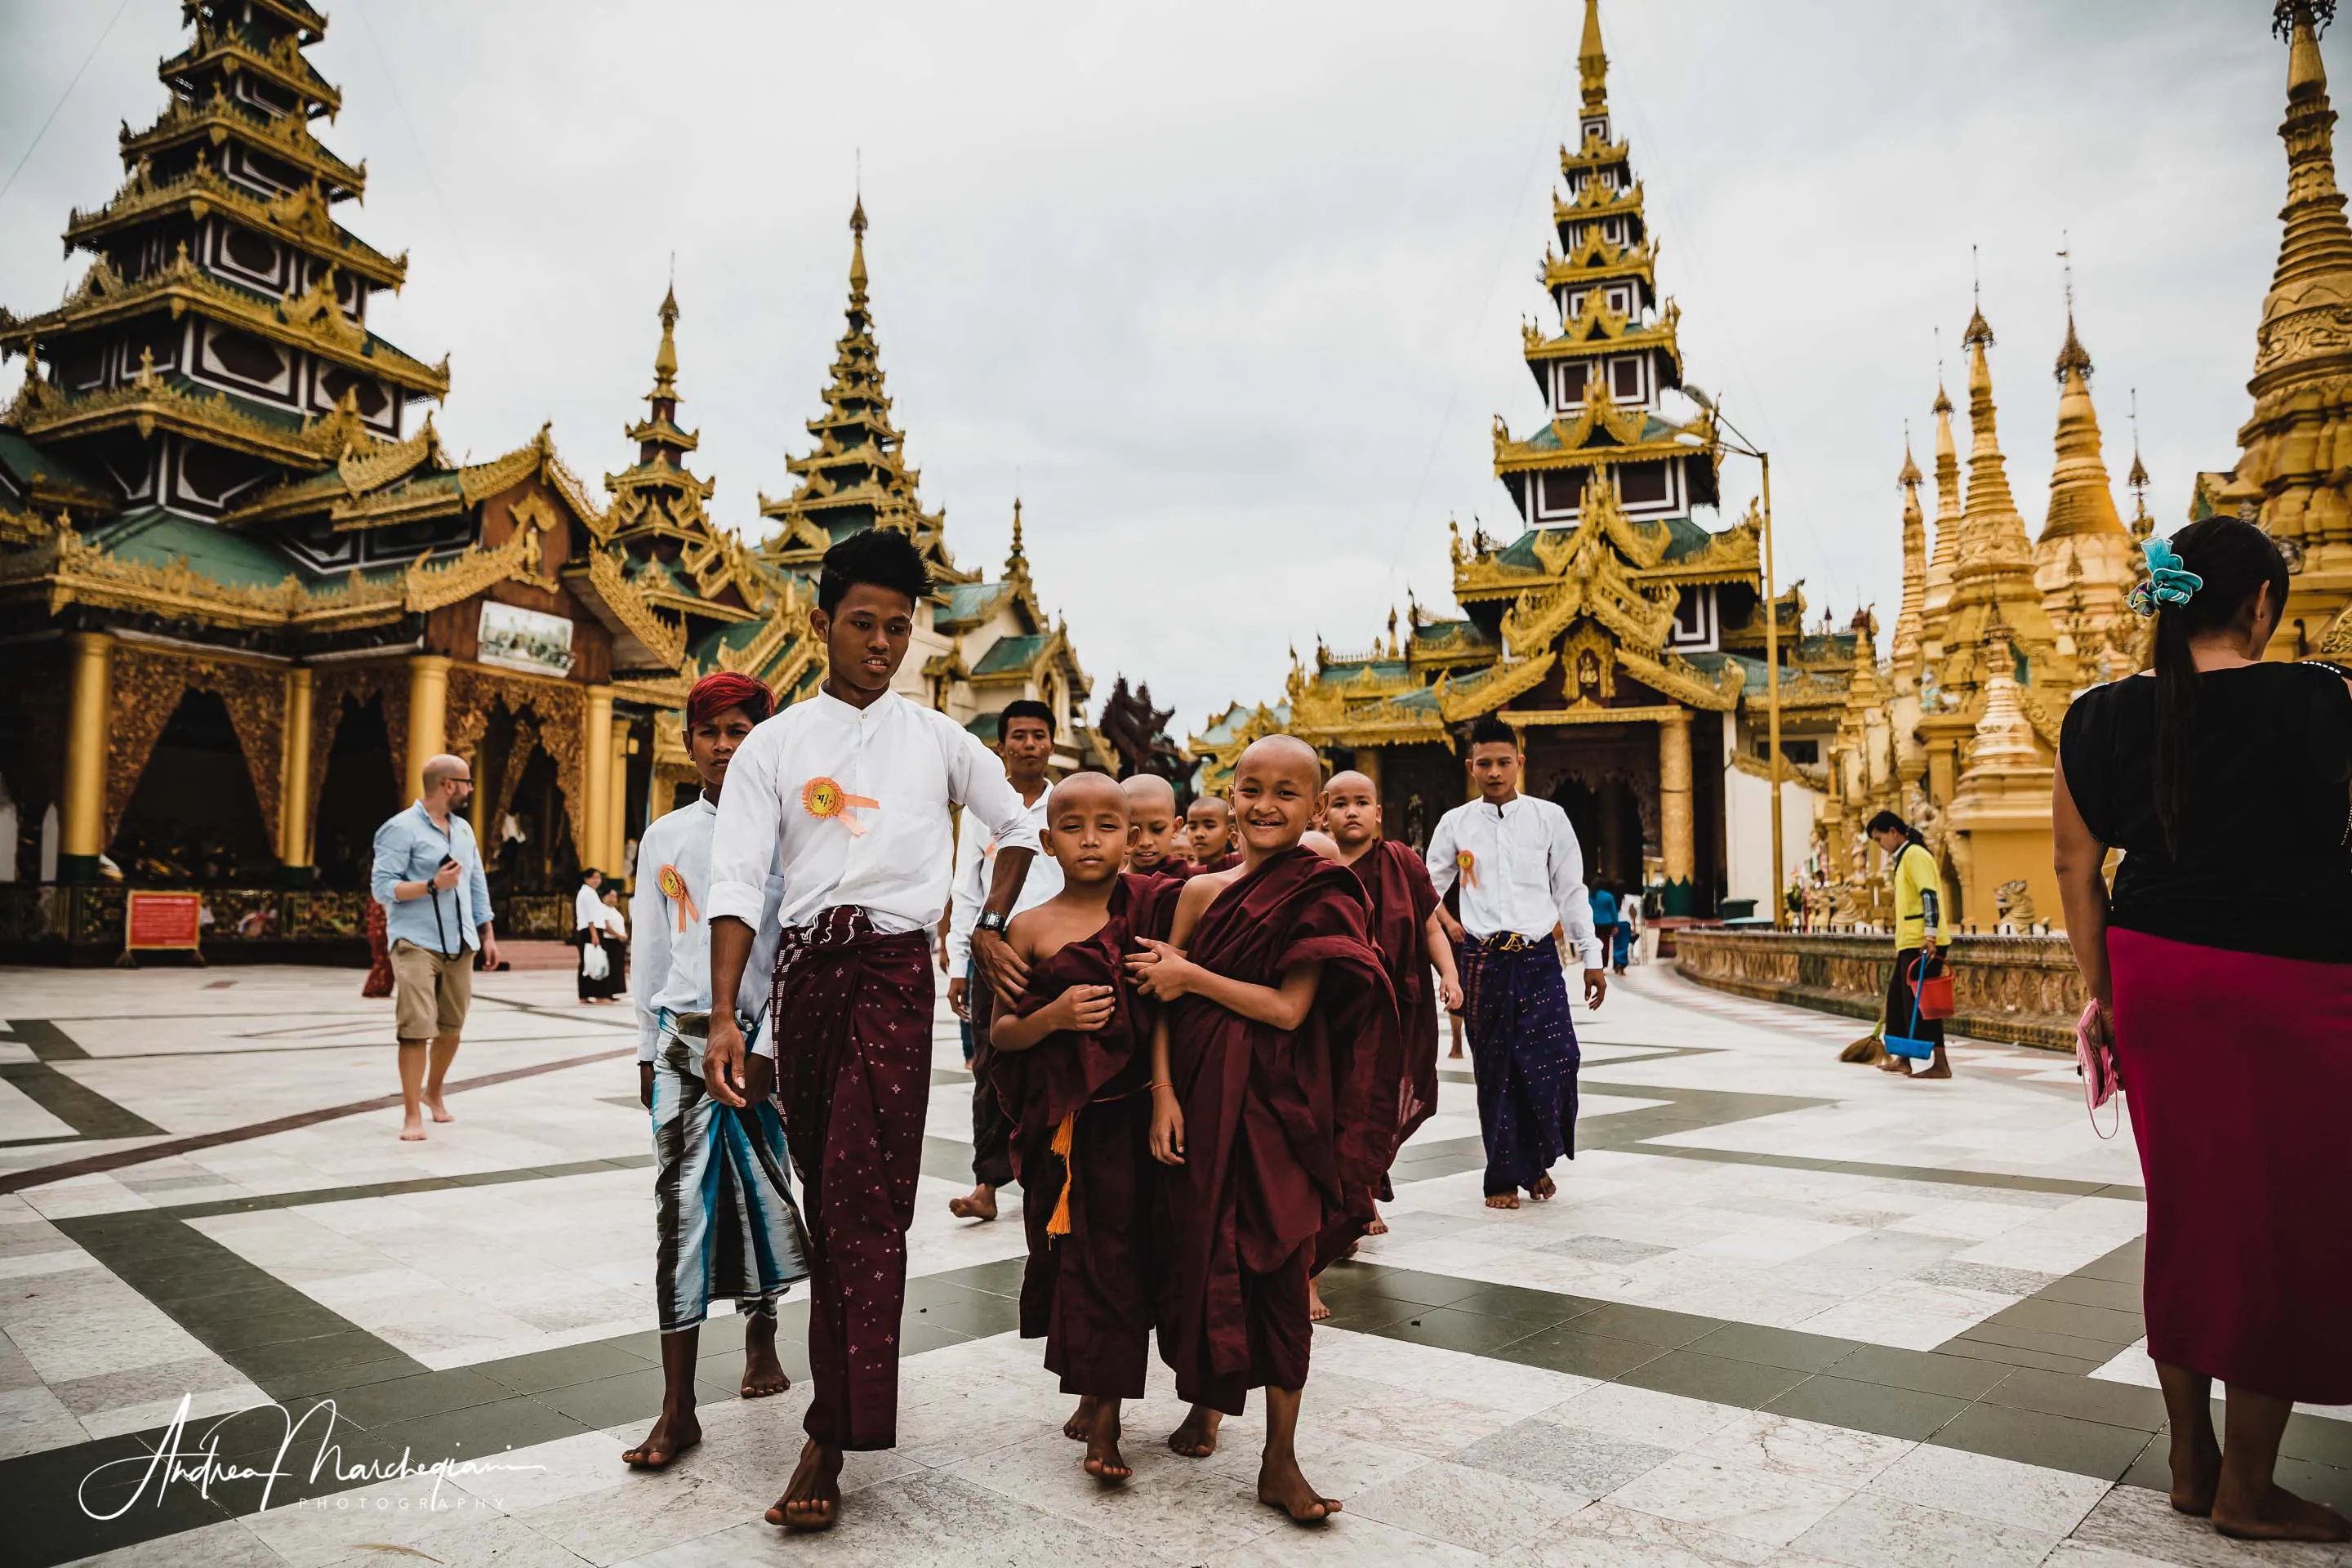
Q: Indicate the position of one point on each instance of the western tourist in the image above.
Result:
(428, 877)
(2221, 959)
(1521, 875)
(1025, 742)
(1279, 1028)
(587, 931)
(1209, 834)
(1153, 823)
(1918, 929)
(1072, 1062)
(854, 787)
(1410, 937)
(724, 1220)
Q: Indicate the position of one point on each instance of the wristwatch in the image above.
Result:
(990, 921)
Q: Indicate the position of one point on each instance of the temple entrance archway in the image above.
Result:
(1606, 816)
(194, 819)
(358, 791)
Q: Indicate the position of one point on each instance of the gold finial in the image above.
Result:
(1591, 63)
(1395, 647)
(2073, 357)
(2142, 525)
(1017, 556)
(858, 246)
(1910, 477)
(666, 356)
(1978, 330)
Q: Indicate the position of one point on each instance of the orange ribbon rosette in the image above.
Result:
(825, 800)
(1467, 863)
(673, 887)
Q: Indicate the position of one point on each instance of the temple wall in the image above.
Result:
(1747, 833)
(2020, 989)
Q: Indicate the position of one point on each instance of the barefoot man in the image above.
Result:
(1072, 1063)
(724, 1219)
(1152, 825)
(1522, 875)
(427, 875)
(853, 787)
(1026, 741)
(1409, 934)
(1266, 1110)
(1208, 833)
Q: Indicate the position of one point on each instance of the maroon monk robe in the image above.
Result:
(1285, 1133)
(852, 1012)
(1403, 900)
(1088, 1291)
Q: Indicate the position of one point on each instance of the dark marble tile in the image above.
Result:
(1878, 1408)
(1582, 1354)
(1773, 1347)
(2033, 1437)
(1717, 1378)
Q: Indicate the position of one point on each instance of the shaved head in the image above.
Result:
(1145, 791)
(1349, 779)
(1275, 798)
(1091, 790)
(1215, 804)
(1288, 753)
(1323, 844)
(444, 766)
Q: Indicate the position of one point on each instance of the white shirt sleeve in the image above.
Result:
(750, 826)
(1567, 891)
(760, 969)
(1442, 866)
(587, 909)
(976, 782)
(650, 910)
(966, 893)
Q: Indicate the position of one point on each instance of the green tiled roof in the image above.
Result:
(155, 537)
(1007, 654)
(28, 463)
(1687, 539)
(986, 726)
(968, 603)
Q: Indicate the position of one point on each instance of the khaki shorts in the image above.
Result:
(430, 994)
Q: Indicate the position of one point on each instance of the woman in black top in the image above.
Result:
(2222, 959)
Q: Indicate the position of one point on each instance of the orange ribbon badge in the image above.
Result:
(825, 800)
(673, 887)
(1467, 863)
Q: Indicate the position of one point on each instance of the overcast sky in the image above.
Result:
(1233, 289)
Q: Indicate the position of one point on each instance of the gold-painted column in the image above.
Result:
(617, 830)
(428, 711)
(1676, 827)
(82, 819)
(294, 780)
(596, 780)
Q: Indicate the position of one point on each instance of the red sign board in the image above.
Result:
(161, 921)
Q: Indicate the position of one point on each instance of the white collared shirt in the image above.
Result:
(587, 909)
(912, 762)
(674, 964)
(975, 867)
(1526, 872)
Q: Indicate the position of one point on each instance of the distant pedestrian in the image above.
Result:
(1918, 932)
(588, 932)
(2222, 960)
(616, 941)
(436, 909)
(1633, 927)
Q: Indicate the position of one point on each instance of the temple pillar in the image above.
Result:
(596, 780)
(1678, 829)
(294, 782)
(616, 830)
(1368, 762)
(428, 711)
(82, 822)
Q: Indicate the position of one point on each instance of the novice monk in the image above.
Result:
(1152, 825)
(1073, 1067)
(854, 786)
(1522, 877)
(724, 1219)
(1209, 830)
(1264, 1108)
(1411, 936)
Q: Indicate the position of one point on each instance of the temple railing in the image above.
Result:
(2021, 989)
(54, 923)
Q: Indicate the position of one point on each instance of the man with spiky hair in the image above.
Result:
(853, 789)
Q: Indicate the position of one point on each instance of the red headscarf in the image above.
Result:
(714, 694)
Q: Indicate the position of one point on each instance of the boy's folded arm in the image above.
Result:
(1282, 1008)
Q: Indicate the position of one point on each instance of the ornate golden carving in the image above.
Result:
(148, 685)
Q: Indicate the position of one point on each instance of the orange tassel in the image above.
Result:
(1065, 1141)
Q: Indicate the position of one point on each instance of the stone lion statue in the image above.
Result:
(2015, 903)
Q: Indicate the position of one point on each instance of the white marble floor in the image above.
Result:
(1737, 1181)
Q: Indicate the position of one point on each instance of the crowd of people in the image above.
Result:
(1198, 1041)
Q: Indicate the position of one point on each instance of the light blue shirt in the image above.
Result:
(409, 848)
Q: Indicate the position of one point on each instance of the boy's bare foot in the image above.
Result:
(668, 1439)
(2196, 1475)
(1378, 1227)
(1455, 1055)
(412, 1129)
(440, 1112)
(1502, 1200)
(1104, 1462)
(1315, 1310)
(763, 1374)
(1196, 1438)
(2277, 1515)
(1281, 1485)
(1544, 1188)
(1081, 1424)
(811, 1498)
(978, 1204)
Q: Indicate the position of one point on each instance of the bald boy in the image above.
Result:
(1151, 825)
(1209, 824)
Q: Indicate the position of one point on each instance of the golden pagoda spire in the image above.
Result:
(2082, 562)
(1018, 559)
(1909, 620)
(2142, 525)
(857, 251)
(1592, 62)
(666, 356)
(1944, 561)
(1991, 531)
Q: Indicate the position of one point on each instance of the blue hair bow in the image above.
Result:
(2169, 580)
